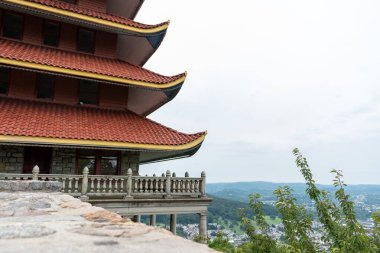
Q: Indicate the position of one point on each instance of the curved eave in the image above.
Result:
(128, 29)
(89, 75)
(168, 155)
(47, 141)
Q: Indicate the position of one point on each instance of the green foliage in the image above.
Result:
(297, 222)
(341, 233)
(376, 230)
(221, 243)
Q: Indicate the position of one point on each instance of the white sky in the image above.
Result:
(267, 76)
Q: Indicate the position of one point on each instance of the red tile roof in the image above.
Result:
(22, 52)
(46, 119)
(91, 13)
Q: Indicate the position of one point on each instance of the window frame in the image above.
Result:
(38, 78)
(3, 14)
(45, 21)
(98, 154)
(92, 51)
(97, 93)
(9, 80)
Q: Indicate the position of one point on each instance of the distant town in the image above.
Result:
(362, 202)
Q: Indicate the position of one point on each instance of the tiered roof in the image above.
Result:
(72, 11)
(19, 54)
(47, 123)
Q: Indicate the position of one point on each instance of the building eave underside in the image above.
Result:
(146, 155)
(79, 74)
(87, 21)
(169, 93)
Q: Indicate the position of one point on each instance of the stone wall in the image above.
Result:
(63, 161)
(11, 159)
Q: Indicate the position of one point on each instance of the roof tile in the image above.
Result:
(101, 15)
(24, 52)
(47, 119)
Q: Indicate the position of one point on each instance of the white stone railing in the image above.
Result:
(128, 187)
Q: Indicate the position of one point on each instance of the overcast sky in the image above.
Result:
(267, 76)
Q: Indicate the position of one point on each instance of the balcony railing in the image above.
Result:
(128, 187)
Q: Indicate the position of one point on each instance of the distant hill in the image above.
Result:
(366, 197)
(219, 209)
(241, 190)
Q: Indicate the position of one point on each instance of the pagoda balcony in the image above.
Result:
(94, 187)
(133, 196)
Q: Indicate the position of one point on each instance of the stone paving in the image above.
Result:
(41, 221)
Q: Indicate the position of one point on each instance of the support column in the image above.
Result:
(173, 223)
(137, 218)
(203, 227)
(153, 220)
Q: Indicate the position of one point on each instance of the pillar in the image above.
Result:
(136, 218)
(173, 223)
(153, 220)
(203, 226)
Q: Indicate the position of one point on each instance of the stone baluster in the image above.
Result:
(168, 185)
(135, 187)
(129, 184)
(203, 184)
(174, 183)
(70, 186)
(146, 185)
(110, 185)
(151, 181)
(76, 185)
(104, 185)
(92, 185)
(35, 172)
(187, 186)
(98, 185)
(122, 188)
(84, 196)
(63, 184)
(116, 185)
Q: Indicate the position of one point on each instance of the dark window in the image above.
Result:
(88, 92)
(109, 163)
(98, 162)
(86, 40)
(13, 25)
(4, 80)
(51, 33)
(45, 86)
(70, 1)
(86, 158)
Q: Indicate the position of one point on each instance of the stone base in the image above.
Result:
(30, 185)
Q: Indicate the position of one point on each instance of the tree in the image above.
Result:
(342, 233)
(376, 229)
(221, 243)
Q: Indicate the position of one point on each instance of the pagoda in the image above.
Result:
(74, 101)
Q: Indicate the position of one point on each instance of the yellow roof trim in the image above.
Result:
(79, 73)
(100, 21)
(100, 144)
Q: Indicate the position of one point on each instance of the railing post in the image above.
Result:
(129, 184)
(168, 185)
(203, 184)
(35, 172)
(84, 196)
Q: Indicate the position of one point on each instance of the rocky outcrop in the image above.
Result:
(37, 219)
